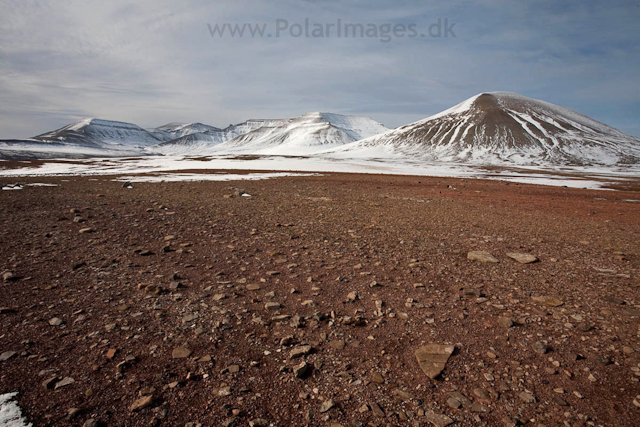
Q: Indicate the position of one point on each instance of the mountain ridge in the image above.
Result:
(305, 134)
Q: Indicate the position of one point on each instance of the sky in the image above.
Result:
(151, 62)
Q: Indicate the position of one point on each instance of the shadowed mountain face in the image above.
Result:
(504, 127)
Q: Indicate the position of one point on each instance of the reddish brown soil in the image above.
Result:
(326, 236)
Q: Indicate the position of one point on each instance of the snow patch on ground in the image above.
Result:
(11, 187)
(174, 177)
(593, 177)
(10, 412)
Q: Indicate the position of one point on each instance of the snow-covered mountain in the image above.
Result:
(199, 143)
(97, 131)
(83, 139)
(306, 134)
(174, 130)
(195, 143)
(498, 128)
(505, 128)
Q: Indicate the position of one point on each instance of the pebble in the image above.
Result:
(376, 410)
(527, 397)
(505, 322)
(326, 406)
(481, 256)
(142, 403)
(180, 353)
(454, 403)
(548, 301)
(338, 344)
(300, 351)
(438, 420)
(64, 382)
(271, 306)
(522, 258)
(377, 378)
(540, 347)
(7, 355)
(9, 276)
(56, 321)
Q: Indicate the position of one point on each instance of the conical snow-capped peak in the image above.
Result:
(508, 128)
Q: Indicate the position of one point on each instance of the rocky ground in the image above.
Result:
(334, 300)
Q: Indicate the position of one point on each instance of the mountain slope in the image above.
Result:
(507, 128)
(171, 131)
(306, 134)
(204, 142)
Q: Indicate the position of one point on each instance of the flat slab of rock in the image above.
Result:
(338, 344)
(438, 420)
(377, 410)
(299, 351)
(7, 355)
(481, 256)
(548, 301)
(522, 258)
(143, 402)
(527, 397)
(180, 353)
(64, 382)
(433, 357)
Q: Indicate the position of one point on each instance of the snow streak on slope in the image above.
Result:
(306, 134)
(505, 128)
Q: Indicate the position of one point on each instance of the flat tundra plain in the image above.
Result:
(305, 301)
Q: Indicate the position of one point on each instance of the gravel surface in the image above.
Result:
(330, 300)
